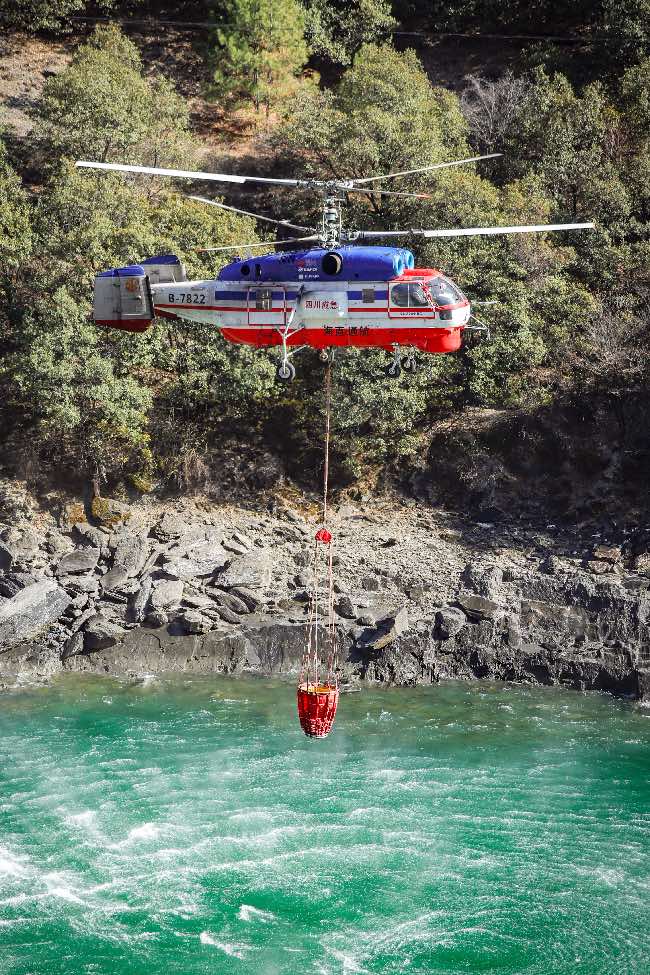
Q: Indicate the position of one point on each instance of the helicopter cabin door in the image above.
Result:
(267, 306)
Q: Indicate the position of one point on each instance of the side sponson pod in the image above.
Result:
(122, 299)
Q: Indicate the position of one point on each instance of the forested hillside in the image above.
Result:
(551, 414)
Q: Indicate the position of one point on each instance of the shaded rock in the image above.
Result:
(138, 602)
(389, 629)
(75, 584)
(89, 535)
(169, 527)
(23, 543)
(74, 645)
(109, 512)
(449, 621)
(345, 608)
(100, 632)
(114, 578)
(483, 581)
(479, 608)
(252, 571)
(232, 546)
(371, 584)
(167, 594)
(366, 619)
(227, 615)
(229, 599)
(31, 610)
(132, 552)
(156, 618)
(6, 558)
(10, 585)
(607, 553)
(599, 568)
(642, 563)
(193, 622)
(248, 597)
(81, 560)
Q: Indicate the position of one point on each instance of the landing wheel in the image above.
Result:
(394, 370)
(410, 365)
(285, 372)
(323, 356)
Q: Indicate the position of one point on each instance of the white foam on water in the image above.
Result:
(348, 962)
(235, 949)
(148, 831)
(249, 913)
(81, 819)
(10, 866)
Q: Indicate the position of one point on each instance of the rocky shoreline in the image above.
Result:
(421, 595)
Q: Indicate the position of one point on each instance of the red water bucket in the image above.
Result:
(317, 708)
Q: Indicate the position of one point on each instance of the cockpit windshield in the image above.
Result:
(444, 292)
(412, 295)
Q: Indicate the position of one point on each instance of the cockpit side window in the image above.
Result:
(444, 292)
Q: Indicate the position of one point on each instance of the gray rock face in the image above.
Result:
(131, 552)
(389, 629)
(167, 595)
(478, 608)
(195, 623)
(114, 578)
(484, 582)
(170, 526)
(346, 608)
(81, 560)
(252, 571)
(31, 610)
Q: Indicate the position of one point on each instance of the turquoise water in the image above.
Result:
(187, 826)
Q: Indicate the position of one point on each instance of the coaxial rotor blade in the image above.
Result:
(426, 169)
(477, 231)
(262, 243)
(249, 213)
(189, 174)
(373, 192)
(485, 231)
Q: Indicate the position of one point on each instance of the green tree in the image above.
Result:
(103, 107)
(35, 15)
(335, 29)
(258, 50)
(15, 224)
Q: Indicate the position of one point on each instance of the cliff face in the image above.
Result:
(419, 596)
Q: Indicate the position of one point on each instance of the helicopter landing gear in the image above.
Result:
(286, 371)
(323, 355)
(409, 364)
(394, 368)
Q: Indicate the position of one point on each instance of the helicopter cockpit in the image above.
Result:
(435, 293)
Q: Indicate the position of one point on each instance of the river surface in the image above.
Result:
(187, 826)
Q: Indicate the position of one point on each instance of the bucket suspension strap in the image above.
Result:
(321, 603)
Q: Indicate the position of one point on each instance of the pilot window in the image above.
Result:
(264, 299)
(444, 292)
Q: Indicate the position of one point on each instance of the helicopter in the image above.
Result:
(337, 289)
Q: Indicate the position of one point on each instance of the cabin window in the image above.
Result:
(368, 296)
(264, 299)
(412, 295)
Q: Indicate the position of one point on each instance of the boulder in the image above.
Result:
(81, 560)
(642, 563)
(195, 623)
(6, 558)
(73, 646)
(156, 618)
(371, 584)
(10, 585)
(483, 581)
(227, 615)
(169, 527)
(132, 552)
(247, 596)
(109, 512)
(23, 543)
(139, 600)
(598, 567)
(167, 594)
(114, 578)
(31, 610)
(85, 534)
(449, 621)
(389, 629)
(479, 608)
(100, 633)
(230, 600)
(74, 584)
(252, 571)
(345, 608)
